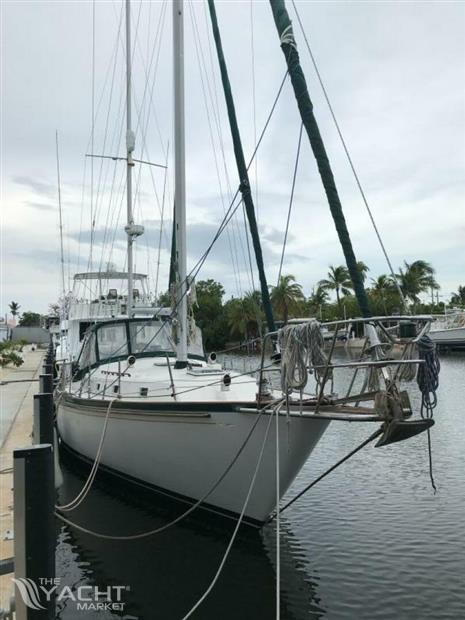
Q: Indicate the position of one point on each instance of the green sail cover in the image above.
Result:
(242, 169)
(288, 45)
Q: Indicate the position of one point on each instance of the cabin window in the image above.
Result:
(88, 357)
(83, 327)
(112, 341)
(149, 337)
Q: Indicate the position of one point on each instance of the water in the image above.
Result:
(372, 541)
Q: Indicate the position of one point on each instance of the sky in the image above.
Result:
(395, 75)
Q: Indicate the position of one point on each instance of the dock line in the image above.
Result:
(373, 436)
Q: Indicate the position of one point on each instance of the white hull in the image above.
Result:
(453, 336)
(185, 453)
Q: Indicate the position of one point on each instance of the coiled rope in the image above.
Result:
(428, 383)
(301, 346)
(428, 375)
(407, 372)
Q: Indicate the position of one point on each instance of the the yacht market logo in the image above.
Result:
(37, 594)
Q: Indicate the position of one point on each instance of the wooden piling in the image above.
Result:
(43, 418)
(34, 500)
(46, 383)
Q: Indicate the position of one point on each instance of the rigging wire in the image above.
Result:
(205, 81)
(364, 443)
(349, 158)
(106, 130)
(238, 524)
(278, 518)
(114, 224)
(97, 111)
(291, 200)
(226, 219)
(144, 111)
(254, 106)
(232, 209)
(235, 228)
(161, 223)
(92, 133)
(103, 161)
(115, 148)
(139, 108)
(62, 259)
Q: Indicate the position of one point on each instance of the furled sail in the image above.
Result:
(288, 45)
(242, 169)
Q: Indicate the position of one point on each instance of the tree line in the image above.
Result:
(242, 318)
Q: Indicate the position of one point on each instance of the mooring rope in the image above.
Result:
(80, 497)
(407, 372)
(373, 436)
(239, 521)
(278, 519)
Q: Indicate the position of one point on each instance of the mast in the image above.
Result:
(242, 169)
(288, 45)
(180, 183)
(61, 218)
(132, 230)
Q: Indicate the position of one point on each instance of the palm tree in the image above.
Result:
(459, 296)
(338, 280)
(252, 308)
(318, 299)
(14, 308)
(363, 269)
(245, 316)
(237, 320)
(416, 278)
(382, 288)
(286, 297)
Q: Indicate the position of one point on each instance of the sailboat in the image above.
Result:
(139, 397)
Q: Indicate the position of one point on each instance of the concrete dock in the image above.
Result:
(16, 419)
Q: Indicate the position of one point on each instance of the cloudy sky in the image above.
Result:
(395, 74)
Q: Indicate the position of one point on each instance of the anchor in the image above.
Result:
(398, 430)
(396, 408)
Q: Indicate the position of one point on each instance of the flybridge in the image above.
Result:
(109, 286)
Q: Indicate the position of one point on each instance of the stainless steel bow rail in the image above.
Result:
(384, 367)
(389, 359)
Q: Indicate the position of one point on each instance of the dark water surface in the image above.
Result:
(372, 541)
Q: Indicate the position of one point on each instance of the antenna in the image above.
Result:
(61, 217)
